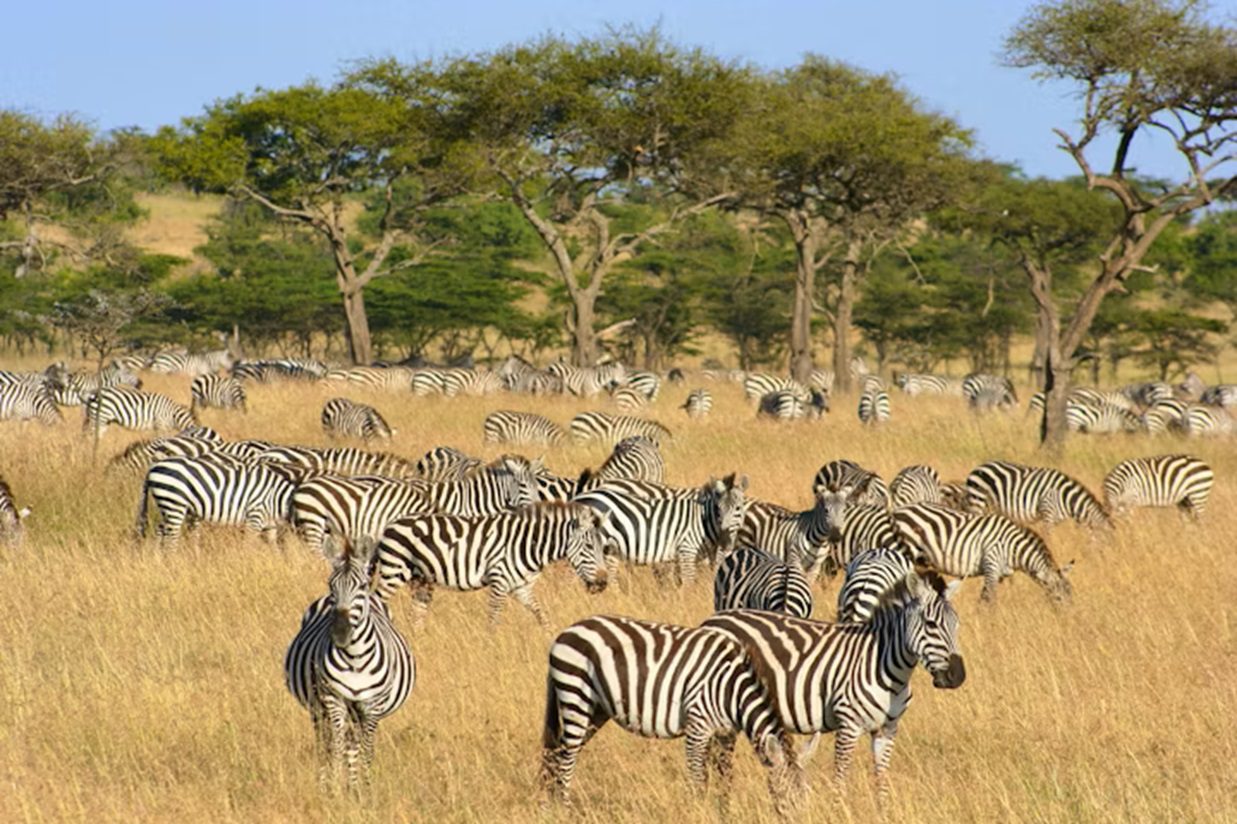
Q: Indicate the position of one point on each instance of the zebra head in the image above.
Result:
(724, 508)
(1057, 583)
(586, 546)
(932, 629)
(520, 484)
(831, 506)
(349, 585)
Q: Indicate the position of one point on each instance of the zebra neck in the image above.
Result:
(897, 659)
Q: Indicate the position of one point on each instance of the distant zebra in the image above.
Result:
(636, 458)
(651, 524)
(853, 679)
(459, 381)
(796, 537)
(857, 484)
(349, 666)
(759, 384)
(134, 409)
(191, 363)
(587, 382)
(1207, 421)
(1147, 394)
(1104, 419)
(699, 403)
(139, 455)
(215, 489)
(675, 376)
(1164, 415)
(600, 426)
(521, 428)
(218, 392)
(821, 379)
(750, 578)
(78, 386)
(345, 418)
(341, 461)
(629, 399)
(1222, 394)
(917, 484)
(27, 402)
(646, 383)
(788, 405)
(11, 518)
(1033, 494)
(870, 576)
(445, 463)
(269, 371)
(963, 545)
(388, 378)
(874, 407)
(915, 384)
(658, 681)
(504, 553)
(979, 383)
(1182, 481)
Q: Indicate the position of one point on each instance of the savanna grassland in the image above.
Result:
(143, 685)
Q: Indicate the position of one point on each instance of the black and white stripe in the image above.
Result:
(915, 384)
(870, 576)
(636, 458)
(135, 409)
(587, 382)
(341, 461)
(218, 392)
(387, 378)
(1182, 481)
(343, 418)
(78, 386)
(11, 518)
(916, 484)
(349, 666)
(1207, 421)
(445, 463)
(864, 527)
(1032, 495)
(139, 455)
(790, 405)
(629, 399)
(862, 486)
(759, 384)
(874, 406)
(1222, 394)
(278, 369)
(750, 578)
(192, 363)
(589, 426)
(699, 403)
(28, 402)
(796, 537)
(505, 426)
(984, 391)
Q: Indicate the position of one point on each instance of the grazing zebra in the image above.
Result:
(341, 461)
(644, 382)
(658, 681)
(268, 371)
(821, 379)
(864, 527)
(139, 455)
(521, 427)
(216, 489)
(636, 458)
(26, 402)
(600, 426)
(874, 407)
(459, 381)
(854, 678)
(387, 378)
(1222, 394)
(1206, 421)
(699, 403)
(587, 381)
(1147, 394)
(11, 517)
(134, 409)
(348, 665)
(348, 419)
(1086, 396)
(653, 524)
(1032, 494)
(870, 576)
(445, 463)
(1164, 415)
(218, 392)
(1182, 481)
(750, 578)
(759, 384)
(916, 484)
(788, 405)
(629, 399)
(915, 384)
(1104, 419)
(964, 545)
(954, 495)
(503, 553)
(985, 391)
(78, 386)
(862, 486)
(796, 537)
(191, 363)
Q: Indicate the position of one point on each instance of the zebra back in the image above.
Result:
(750, 578)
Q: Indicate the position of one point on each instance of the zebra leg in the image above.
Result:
(699, 736)
(992, 570)
(366, 729)
(687, 566)
(337, 721)
(524, 594)
(721, 757)
(422, 594)
(844, 743)
(882, 752)
(322, 744)
(498, 599)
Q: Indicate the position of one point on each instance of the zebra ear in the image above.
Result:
(951, 589)
(742, 483)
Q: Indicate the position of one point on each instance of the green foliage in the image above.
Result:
(1213, 254)
(105, 320)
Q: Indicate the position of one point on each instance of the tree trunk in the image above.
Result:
(801, 363)
(360, 346)
(584, 333)
(1039, 359)
(842, 319)
(1053, 427)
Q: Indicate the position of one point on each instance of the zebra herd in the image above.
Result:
(760, 666)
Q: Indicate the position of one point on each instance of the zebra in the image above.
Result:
(26, 402)
(1102, 419)
(985, 391)
(1147, 394)
(862, 486)
(505, 426)
(341, 461)
(459, 381)
(78, 386)
(787, 405)
(646, 383)
(821, 379)
(636, 458)
(192, 363)
(796, 537)
(378, 378)
(1222, 394)
(601, 426)
(215, 488)
(874, 407)
(864, 527)
(965, 545)
(654, 524)
(658, 681)
(587, 382)
(133, 409)
(11, 517)
(344, 418)
(915, 384)
(445, 463)
(954, 495)
(1033, 495)
(629, 399)
(503, 553)
(699, 403)
(915, 484)
(1087, 396)
(269, 371)
(870, 576)
(853, 678)
(1207, 421)
(139, 455)
(1182, 481)
(751, 578)
(348, 665)
(219, 392)
(758, 384)
(1164, 415)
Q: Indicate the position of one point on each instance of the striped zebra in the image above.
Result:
(1087, 396)
(11, 518)
(636, 458)
(870, 576)
(1164, 415)
(963, 545)
(853, 678)
(217, 392)
(864, 527)
(139, 455)
(27, 402)
(1105, 419)
(862, 486)
(1182, 481)
(758, 384)
(997, 390)
(653, 524)
(1147, 394)
(646, 383)
(629, 399)
(787, 405)
(278, 369)
(750, 578)
(49, 380)
(1222, 394)
(587, 381)
(1207, 421)
(1032, 495)
(916, 484)
(954, 495)
(503, 553)
(699, 403)
(378, 378)
(78, 386)
(349, 666)
(192, 363)
(216, 489)
(821, 379)
(342, 418)
(796, 537)
(475, 382)
(589, 426)
(341, 461)
(915, 384)
(134, 409)
(445, 463)
(658, 681)
(505, 426)
(874, 407)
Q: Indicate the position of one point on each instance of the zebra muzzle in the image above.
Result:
(952, 676)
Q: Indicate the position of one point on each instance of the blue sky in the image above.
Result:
(146, 63)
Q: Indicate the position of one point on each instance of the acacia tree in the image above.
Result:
(307, 154)
(568, 130)
(1140, 67)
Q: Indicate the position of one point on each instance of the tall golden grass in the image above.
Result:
(137, 684)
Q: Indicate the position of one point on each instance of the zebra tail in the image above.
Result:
(552, 735)
(140, 527)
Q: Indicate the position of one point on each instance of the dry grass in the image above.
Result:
(143, 685)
